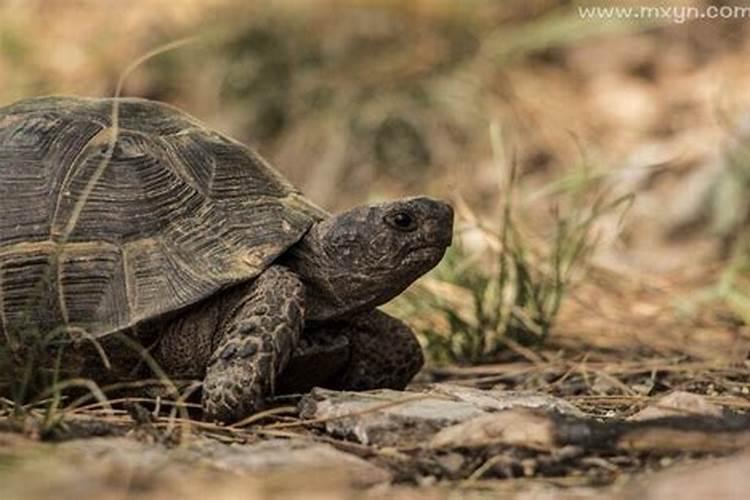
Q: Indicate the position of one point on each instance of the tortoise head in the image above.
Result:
(364, 257)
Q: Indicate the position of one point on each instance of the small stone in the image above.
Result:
(643, 389)
(426, 481)
(517, 427)
(678, 403)
(529, 467)
(451, 462)
(605, 386)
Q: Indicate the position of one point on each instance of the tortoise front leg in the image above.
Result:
(383, 352)
(253, 345)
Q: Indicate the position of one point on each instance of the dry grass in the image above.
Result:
(505, 293)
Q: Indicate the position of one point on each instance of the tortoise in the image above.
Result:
(154, 226)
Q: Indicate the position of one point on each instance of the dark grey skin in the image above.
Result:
(311, 318)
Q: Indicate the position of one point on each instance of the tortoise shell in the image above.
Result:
(100, 235)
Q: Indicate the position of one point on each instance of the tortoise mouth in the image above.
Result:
(430, 255)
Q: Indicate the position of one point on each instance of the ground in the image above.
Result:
(622, 145)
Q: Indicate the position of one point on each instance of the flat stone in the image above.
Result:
(499, 399)
(285, 454)
(385, 417)
(678, 404)
(114, 468)
(410, 419)
(117, 452)
(515, 427)
(274, 455)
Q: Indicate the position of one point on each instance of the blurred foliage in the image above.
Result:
(508, 294)
(358, 100)
(730, 197)
(729, 205)
(381, 97)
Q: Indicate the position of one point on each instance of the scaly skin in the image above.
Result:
(384, 353)
(240, 341)
(255, 341)
(241, 349)
(255, 329)
(369, 351)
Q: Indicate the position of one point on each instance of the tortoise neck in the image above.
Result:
(330, 292)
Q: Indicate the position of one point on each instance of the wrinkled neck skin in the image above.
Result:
(332, 292)
(362, 258)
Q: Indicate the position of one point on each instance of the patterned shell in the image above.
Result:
(100, 238)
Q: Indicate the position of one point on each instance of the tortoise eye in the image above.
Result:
(402, 221)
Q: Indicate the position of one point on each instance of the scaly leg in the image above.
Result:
(257, 329)
(383, 352)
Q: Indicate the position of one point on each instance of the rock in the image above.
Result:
(115, 468)
(118, 453)
(385, 417)
(287, 454)
(410, 419)
(246, 459)
(726, 478)
(677, 404)
(451, 462)
(516, 427)
(499, 399)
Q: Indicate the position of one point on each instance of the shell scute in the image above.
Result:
(176, 213)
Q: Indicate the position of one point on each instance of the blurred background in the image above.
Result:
(598, 162)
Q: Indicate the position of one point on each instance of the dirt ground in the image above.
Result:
(363, 100)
